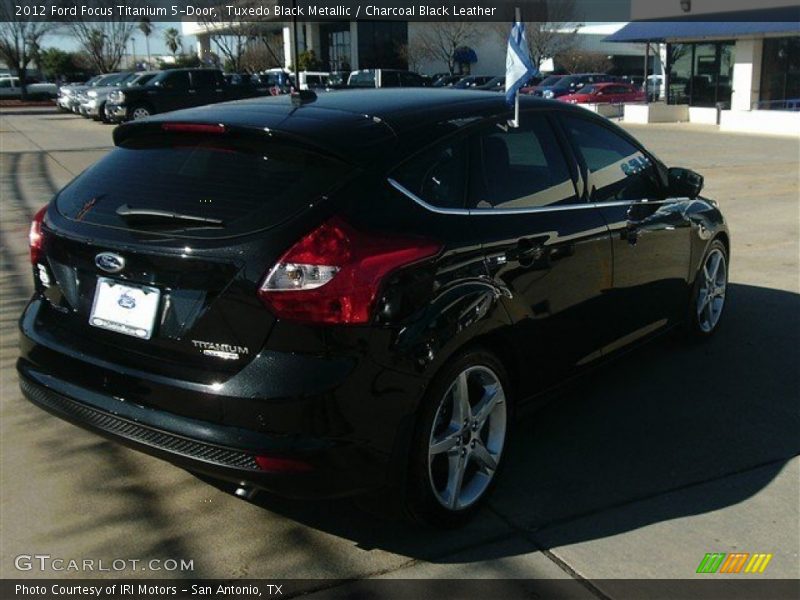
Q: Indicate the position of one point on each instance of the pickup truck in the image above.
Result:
(173, 89)
(10, 88)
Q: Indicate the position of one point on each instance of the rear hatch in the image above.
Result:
(154, 255)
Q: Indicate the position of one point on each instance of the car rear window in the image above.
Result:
(231, 186)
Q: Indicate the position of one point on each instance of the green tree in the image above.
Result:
(307, 61)
(147, 30)
(57, 63)
(172, 38)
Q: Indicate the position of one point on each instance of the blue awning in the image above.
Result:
(663, 31)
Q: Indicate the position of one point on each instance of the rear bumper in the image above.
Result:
(314, 417)
(221, 452)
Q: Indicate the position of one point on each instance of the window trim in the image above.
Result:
(508, 211)
(572, 159)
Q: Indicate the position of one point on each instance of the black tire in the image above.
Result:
(424, 503)
(698, 326)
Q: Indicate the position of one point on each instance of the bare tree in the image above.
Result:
(105, 42)
(439, 40)
(557, 35)
(575, 61)
(235, 38)
(261, 56)
(20, 41)
(413, 54)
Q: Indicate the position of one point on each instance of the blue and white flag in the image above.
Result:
(519, 67)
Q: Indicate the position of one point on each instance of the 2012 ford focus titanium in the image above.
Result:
(356, 292)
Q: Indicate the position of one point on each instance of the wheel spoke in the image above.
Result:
(709, 313)
(492, 396)
(484, 458)
(716, 259)
(455, 478)
(702, 302)
(461, 406)
(445, 443)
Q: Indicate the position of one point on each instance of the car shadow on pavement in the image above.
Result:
(667, 417)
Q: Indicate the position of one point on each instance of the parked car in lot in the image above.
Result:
(71, 97)
(446, 80)
(172, 90)
(359, 291)
(314, 80)
(569, 84)
(67, 94)
(10, 88)
(95, 99)
(277, 81)
(601, 93)
(384, 78)
(547, 82)
(472, 81)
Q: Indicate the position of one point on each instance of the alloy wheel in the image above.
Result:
(711, 292)
(467, 437)
(140, 113)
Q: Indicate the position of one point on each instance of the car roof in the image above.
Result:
(363, 126)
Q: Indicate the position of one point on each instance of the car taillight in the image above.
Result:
(35, 235)
(333, 274)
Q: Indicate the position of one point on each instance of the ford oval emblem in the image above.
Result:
(109, 262)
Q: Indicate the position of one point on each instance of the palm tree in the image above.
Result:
(147, 29)
(172, 38)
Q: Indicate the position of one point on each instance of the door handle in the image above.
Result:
(630, 233)
(526, 252)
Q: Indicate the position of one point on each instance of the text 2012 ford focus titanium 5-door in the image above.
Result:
(333, 296)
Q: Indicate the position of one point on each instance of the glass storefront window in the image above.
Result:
(780, 74)
(336, 47)
(679, 65)
(700, 74)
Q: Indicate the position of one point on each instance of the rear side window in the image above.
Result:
(229, 187)
(205, 79)
(362, 79)
(437, 175)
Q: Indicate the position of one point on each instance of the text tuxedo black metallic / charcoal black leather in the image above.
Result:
(340, 294)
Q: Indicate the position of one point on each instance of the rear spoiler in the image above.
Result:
(131, 130)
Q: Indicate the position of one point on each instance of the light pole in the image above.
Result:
(133, 51)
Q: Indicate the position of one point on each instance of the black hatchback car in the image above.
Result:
(356, 292)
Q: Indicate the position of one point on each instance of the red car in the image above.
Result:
(597, 93)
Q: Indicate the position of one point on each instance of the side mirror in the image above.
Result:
(685, 182)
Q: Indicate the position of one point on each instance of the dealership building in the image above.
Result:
(350, 45)
(739, 68)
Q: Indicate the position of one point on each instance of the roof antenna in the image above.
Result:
(300, 97)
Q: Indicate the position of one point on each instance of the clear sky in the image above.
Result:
(63, 40)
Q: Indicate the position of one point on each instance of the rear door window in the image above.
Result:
(230, 187)
(176, 81)
(519, 167)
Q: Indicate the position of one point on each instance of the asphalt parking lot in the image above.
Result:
(672, 452)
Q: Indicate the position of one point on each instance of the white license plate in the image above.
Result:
(128, 309)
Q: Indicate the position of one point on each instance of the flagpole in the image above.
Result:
(515, 122)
